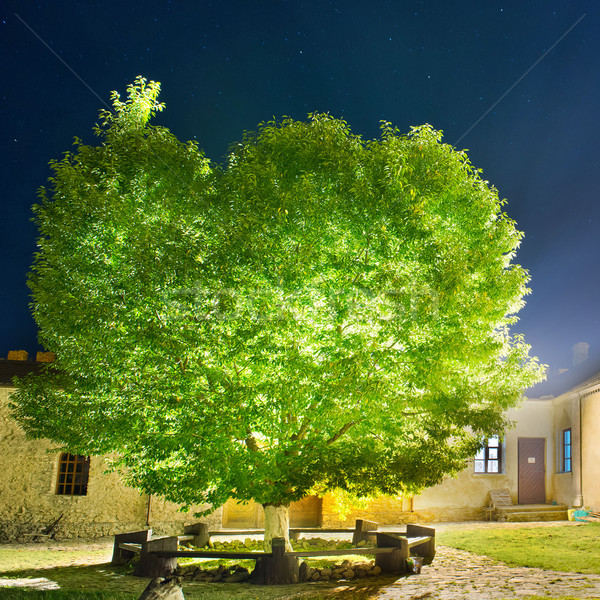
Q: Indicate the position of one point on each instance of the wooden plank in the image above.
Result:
(122, 556)
(255, 555)
(416, 541)
(319, 530)
(151, 564)
(236, 532)
(291, 530)
(343, 552)
(200, 534)
(278, 568)
(422, 541)
(364, 531)
(209, 554)
(137, 548)
(394, 561)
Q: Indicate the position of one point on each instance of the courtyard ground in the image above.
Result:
(454, 575)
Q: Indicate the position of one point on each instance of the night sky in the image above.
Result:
(516, 83)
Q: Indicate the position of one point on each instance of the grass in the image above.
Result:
(570, 549)
(25, 594)
(102, 581)
(15, 558)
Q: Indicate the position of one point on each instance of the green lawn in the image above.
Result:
(105, 582)
(25, 594)
(571, 549)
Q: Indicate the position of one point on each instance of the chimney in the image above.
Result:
(580, 352)
(45, 357)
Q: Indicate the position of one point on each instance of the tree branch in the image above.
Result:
(305, 424)
(413, 413)
(251, 443)
(183, 365)
(340, 433)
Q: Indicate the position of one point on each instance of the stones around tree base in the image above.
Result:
(237, 574)
(345, 570)
(220, 574)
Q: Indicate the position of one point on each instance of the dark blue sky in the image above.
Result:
(227, 65)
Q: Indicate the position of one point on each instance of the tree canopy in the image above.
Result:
(320, 312)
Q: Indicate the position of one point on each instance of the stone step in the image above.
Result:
(531, 512)
(529, 516)
(532, 508)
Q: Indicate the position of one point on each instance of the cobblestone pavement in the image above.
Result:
(459, 575)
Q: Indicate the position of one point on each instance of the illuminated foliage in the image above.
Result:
(323, 312)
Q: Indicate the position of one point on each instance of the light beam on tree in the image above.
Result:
(323, 312)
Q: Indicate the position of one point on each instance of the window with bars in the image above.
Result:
(566, 450)
(73, 474)
(489, 458)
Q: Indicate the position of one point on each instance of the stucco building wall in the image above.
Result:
(565, 416)
(590, 448)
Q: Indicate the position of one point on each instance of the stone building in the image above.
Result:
(40, 484)
(549, 457)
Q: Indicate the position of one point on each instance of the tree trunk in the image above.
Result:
(277, 525)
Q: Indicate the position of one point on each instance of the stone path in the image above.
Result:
(459, 575)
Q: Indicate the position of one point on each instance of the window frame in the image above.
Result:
(73, 475)
(566, 450)
(490, 454)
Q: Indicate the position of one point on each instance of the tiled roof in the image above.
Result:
(594, 379)
(575, 379)
(13, 368)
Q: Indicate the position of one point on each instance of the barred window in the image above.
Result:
(73, 473)
(489, 458)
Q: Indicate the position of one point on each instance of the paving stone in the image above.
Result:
(448, 579)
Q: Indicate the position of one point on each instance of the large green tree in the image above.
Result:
(321, 313)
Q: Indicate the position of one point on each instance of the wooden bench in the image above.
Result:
(418, 538)
(158, 556)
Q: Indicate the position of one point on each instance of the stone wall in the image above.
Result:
(28, 499)
(390, 510)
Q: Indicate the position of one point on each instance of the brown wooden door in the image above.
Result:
(238, 515)
(306, 512)
(532, 471)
